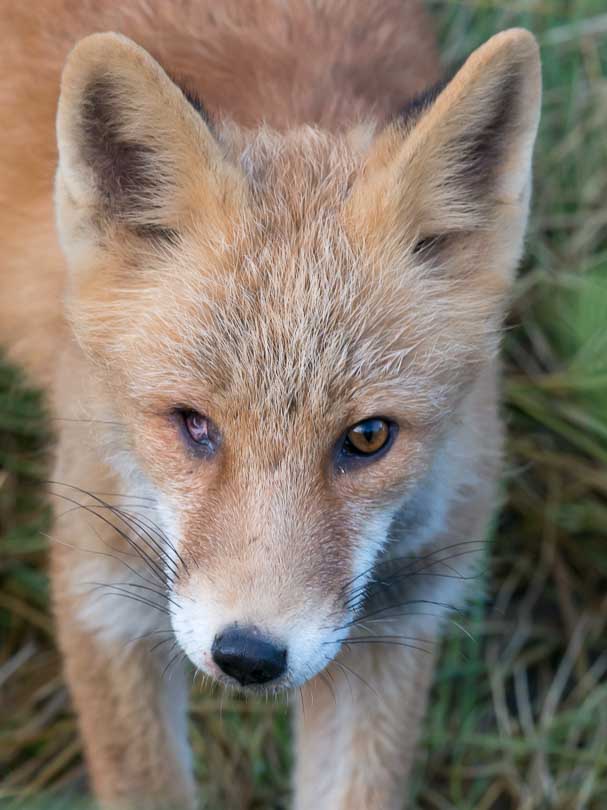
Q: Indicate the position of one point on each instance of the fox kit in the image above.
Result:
(268, 324)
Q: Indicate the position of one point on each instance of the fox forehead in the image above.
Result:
(276, 301)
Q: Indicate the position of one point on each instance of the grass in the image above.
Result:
(518, 714)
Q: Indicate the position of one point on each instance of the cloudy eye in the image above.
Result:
(200, 431)
(368, 438)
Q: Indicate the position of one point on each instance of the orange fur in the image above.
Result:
(303, 259)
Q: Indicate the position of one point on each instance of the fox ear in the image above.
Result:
(458, 168)
(133, 151)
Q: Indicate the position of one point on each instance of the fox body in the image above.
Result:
(236, 297)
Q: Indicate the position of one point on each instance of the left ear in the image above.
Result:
(133, 151)
(459, 170)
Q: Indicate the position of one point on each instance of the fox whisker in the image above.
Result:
(102, 554)
(152, 564)
(144, 636)
(113, 590)
(411, 558)
(411, 571)
(146, 521)
(398, 616)
(342, 665)
(162, 594)
(395, 641)
(129, 519)
(159, 644)
(68, 419)
(406, 603)
(178, 656)
(324, 676)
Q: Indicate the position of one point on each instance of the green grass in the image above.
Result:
(518, 715)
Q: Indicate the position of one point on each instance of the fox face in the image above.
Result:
(287, 327)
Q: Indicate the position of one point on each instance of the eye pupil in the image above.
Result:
(369, 434)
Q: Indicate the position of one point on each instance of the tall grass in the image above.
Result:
(518, 714)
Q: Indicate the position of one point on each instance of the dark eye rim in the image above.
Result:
(206, 448)
(348, 457)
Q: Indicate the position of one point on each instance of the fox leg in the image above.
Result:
(357, 738)
(132, 713)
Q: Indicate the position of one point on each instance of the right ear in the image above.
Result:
(455, 181)
(133, 151)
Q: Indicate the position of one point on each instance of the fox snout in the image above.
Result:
(263, 618)
(244, 654)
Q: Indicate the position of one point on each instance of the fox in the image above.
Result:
(261, 268)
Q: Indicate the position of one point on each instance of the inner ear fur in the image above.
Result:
(132, 149)
(460, 163)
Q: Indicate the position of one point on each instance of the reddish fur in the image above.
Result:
(291, 305)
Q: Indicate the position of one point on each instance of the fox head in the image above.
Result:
(286, 325)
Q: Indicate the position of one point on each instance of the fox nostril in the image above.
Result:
(244, 654)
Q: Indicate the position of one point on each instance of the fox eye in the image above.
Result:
(200, 431)
(368, 438)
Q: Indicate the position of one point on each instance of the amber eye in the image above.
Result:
(200, 430)
(367, 437)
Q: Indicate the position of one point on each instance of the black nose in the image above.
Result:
(244, 654)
